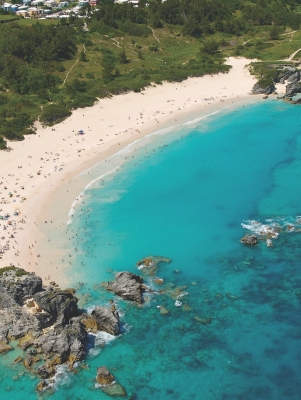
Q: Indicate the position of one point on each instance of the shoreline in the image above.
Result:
(59, 160)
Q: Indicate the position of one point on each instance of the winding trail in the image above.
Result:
(155, 36)
(116, 43)
(70, 71)
(72, 67)
(290, 58)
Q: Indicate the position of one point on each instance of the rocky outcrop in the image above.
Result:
(259, 89)
(108, 383)
(26, 308)
(47, 370)
(104, 377)
(128, 286)
(293, 86)
(286, 74)
(249, 240)
(20, 286)
(70, 341)
(106, 320)
(51, 328)
(60, 305)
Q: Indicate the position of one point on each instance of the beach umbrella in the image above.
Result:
(81, 131)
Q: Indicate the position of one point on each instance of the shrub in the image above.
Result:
(209, 46)
(19, 271)
(153, 47)
(90, 75)
(54, 113)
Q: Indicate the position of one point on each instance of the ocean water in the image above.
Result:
(190, 196)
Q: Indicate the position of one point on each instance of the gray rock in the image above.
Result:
(61, 305)
(104, 377)
(128, 286)
(107, 320)
(16, 322)
(285, 73)
(20, 286)
(257, 89)
(69, 341)
(250, 240)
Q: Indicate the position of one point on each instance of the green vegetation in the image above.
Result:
(267, 72)
(48, 68)
(19, 271)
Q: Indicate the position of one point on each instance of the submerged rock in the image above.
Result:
(163, 310)
(203, 321)
(250, 240)
(115, 390)
(128, 286)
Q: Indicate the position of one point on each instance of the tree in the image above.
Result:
(209, 46)
(122, 57)
(54, 113)
(140, 55)
(82, 56)
(108, 63)
(274, 33)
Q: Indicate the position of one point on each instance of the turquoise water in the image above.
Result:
(185, 196)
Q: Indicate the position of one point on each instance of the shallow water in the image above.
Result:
(185, 196)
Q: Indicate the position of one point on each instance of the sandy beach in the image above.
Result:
(39, 177)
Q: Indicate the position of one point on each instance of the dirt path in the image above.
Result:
(292, 55)
(72, 67)
(155, 36)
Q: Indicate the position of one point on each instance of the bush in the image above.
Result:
(19, 271)
(54, 113)
(82, 101)
(60, 68)
(153, 47)
(209, 46)
(90, 75)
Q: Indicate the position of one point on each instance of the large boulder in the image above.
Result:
(128, 286)
(61, 305)
(266, 89)
(107, 320)
(108, 384)
(249, 240)
(104, 377)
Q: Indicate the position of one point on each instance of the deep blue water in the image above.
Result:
(184, 195)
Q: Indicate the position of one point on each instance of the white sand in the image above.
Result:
(52, 157)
